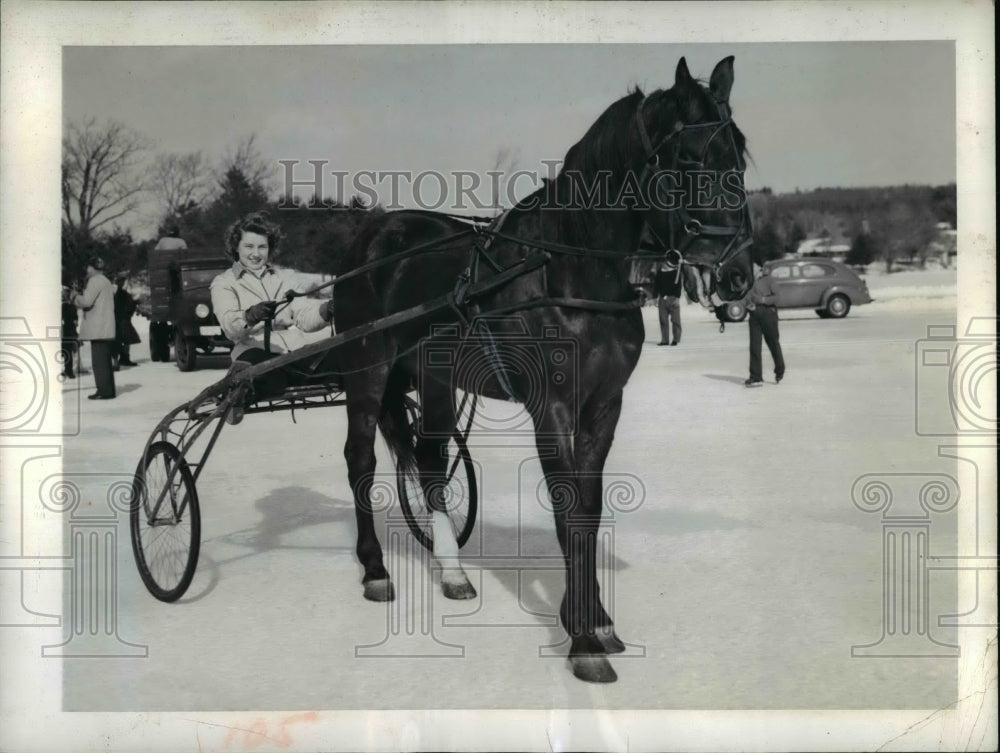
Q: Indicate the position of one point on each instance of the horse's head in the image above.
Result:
(695, 199)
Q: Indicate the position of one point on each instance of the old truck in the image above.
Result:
(180, 306)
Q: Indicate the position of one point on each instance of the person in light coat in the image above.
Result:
(97, 301)
(247, 295)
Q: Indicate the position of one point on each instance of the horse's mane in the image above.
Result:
(602, 145)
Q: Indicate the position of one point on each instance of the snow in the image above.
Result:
(741, 573)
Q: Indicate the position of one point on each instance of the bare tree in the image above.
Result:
(247, 159)
(101, 179)
(180, 181)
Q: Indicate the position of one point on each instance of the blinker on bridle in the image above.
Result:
(673, 252)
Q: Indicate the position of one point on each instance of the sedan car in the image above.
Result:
(828, 287)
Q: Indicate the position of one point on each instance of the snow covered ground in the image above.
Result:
(740, 572)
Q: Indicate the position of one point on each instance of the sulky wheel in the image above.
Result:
(461, 495)
(165, 522)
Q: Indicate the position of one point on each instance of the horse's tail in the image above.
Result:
(395, 422)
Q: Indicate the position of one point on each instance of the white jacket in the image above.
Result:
(237, 289)
(98, 303)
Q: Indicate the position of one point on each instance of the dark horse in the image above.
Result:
(638, 165)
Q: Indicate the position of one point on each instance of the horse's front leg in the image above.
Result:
(593, 443)
(576, 500)
(364, 401)
(437, 424)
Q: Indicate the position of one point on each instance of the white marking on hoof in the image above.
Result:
(458, 590)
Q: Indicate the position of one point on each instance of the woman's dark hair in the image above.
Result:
(255, 222)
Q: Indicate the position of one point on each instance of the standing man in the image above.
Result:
(69, 333)
(764, 322)
(667, 286)
(125, 334)
(98, 304)
(172, 241)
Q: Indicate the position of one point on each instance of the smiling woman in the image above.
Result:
(248, 295)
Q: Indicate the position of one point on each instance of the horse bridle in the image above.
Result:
(679, 218)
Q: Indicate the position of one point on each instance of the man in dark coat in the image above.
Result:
(667, 286)
(125, 334)
(70, 343)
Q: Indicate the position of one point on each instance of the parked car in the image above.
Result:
(828, 287)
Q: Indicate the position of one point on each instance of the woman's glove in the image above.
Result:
(326, 310)
(260, 312)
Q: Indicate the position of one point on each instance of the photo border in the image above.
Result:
(33, 34)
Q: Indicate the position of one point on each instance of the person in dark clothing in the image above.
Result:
(764, 323)
(70, 344)
(667, 286)
(125, 334)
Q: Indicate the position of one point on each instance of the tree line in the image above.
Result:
(885, 224)
(109, 171)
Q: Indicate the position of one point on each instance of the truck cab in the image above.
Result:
(180, 305)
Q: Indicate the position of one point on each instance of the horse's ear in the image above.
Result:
(682, 77)
(721, 82)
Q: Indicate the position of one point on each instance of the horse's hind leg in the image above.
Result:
(363, 407)
(437, 424)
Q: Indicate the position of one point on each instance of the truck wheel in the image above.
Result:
(184, 352)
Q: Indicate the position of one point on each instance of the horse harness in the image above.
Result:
(469, 287)
(673, 250)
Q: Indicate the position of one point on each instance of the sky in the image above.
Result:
(815, 114)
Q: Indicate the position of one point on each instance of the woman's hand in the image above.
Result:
(260, 312)
(326, 310)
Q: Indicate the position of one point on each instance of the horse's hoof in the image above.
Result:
(458, 591)
(380, 590)
(610, 641)
(593, 668)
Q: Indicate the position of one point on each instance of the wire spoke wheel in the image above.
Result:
(459, 491)
(165, 522)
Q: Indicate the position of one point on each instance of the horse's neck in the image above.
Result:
(594, 277)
